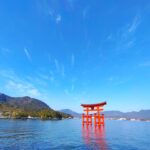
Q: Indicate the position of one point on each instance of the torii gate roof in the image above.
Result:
(94, 105)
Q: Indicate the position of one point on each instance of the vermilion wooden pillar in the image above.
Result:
(98, 117)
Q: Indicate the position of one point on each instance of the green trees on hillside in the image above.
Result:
(44, 114)
(19, 114)
(49, 114)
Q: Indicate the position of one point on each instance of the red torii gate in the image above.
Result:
(98, 117)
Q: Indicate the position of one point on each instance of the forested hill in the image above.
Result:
(22, 107)
(25, 103)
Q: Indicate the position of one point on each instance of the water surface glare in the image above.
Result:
(69, 134)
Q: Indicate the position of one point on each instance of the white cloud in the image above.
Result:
(58, 18)
(27, 54)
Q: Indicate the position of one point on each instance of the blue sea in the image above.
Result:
(70, 134)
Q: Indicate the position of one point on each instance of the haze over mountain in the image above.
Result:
(142, 114)
(71, 112)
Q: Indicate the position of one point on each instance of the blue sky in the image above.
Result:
(68, 52)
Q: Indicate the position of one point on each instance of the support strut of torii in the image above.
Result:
(98, 117)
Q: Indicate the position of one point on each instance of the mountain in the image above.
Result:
(69, 111)
(22, 107)
(142, 114)
(26, 103)
(3, 98)
(111, 114)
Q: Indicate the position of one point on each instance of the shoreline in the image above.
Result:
(129, 119)
(55, 119)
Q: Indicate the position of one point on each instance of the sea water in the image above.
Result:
(70, 134)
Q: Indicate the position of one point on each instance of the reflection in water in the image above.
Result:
(87, 133)
(94, 137)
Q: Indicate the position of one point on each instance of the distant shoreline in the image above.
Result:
(34, 118)
(129, 119)
(53, 119)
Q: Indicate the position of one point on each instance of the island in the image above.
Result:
(28, 108)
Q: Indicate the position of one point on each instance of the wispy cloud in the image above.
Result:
(63, 71)
(55, 16)
(72, 87)
(8, 74)
(118, 80)
(27, 54)
(58, 18)
(72, 59)
(133, 26)
(49, 57)
(57, 65)
(109, 37)
(52, 77)
(145, 64)
(66, 91)
(22, 88)
(125, 37)
(110, 78)
(71, 3)
(51, 13)
(85, 12)
(73, 81)
(130, 43)
(49, 9)
(36, 80)
(46, 77)
(15, 84)
(4, 51)
(60, 68)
